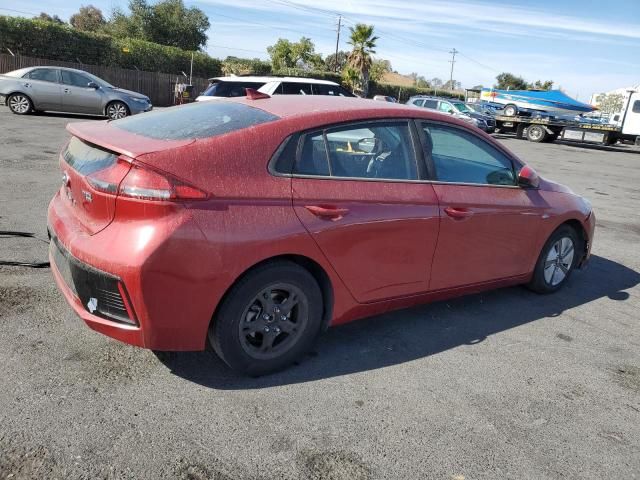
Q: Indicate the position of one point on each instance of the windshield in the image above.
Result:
(461, 107)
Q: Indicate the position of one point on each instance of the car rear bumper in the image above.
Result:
(138, 280)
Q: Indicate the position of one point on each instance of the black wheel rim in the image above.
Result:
(273, 321)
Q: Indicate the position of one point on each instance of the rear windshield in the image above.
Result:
(230, 89)
(196, 120)
(87, 159)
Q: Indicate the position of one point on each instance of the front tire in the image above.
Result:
(510, 110)
(116, 110)
(268, 320)
(20, 104)
(557, 260)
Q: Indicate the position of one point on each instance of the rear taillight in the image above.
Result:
(145, 183)
(108, 179)
(129, 178)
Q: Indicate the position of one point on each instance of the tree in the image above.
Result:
(452, 85)
(363, 42)
(436, 82)
(351, 77)
(301, 54)
(45, 17)
(612, 103)
(168, 22)
(422, 82)
(379, 68)
(477, 87)
(538, 85)
(88, 19)
(336, 64)
(508, 81)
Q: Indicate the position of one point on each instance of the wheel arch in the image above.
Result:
(578, 227)
(113, 100)
(313, 267)
(6, 97)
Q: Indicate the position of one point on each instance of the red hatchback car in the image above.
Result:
(255, 223)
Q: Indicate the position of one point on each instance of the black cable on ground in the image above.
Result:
(12, 263)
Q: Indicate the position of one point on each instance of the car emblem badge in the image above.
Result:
(87, 196)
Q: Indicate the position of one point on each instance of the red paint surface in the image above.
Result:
(388, 245)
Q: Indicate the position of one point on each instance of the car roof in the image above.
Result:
(271, 79)
(310, 106)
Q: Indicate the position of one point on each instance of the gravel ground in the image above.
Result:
(502, 385)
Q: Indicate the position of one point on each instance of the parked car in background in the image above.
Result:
(58, 89)
(233, 86)
(456, 108)
(225, 87)
(482, 108)
(340, 208)
(385, 98)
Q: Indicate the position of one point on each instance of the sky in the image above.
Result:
(584, 46)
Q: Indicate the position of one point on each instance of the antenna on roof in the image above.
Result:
(253, 94)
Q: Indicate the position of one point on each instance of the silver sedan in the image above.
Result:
(67, 90)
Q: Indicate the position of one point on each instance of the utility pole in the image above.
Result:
(452, 61)
(338, 42)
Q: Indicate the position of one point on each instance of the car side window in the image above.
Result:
(332, 90)
(461, 157)
(431, 104)
(74, 79)
(376, 150)
(636, 107)
(445, 107)
(43, 74)
(419, 103)
(294, 88)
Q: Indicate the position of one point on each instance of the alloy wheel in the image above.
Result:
(559, 261)
(116, 110)
(273, 321)
(19, 103)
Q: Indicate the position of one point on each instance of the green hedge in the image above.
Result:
(37, 38)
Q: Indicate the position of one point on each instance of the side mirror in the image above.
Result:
(528, 178)
(93, 85)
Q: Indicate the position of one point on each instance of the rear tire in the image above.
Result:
(510, 110)
(19, 103)
(557, 260)
(268, 320)
(536, 133)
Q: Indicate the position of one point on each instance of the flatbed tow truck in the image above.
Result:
(625, 127)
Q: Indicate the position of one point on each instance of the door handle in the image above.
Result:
(327, 212)
(458, 213)
(66, 90)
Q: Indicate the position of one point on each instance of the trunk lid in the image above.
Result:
(94, 163)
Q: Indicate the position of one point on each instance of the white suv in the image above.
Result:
(223, 87)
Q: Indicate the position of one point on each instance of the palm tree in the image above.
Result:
(363, 43)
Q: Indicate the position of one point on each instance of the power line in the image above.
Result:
(236, 48)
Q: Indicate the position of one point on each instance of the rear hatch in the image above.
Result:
(94, 163)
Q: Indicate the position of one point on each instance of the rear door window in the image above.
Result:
(43, 74)
(433, 104)
(195, 120)
(296, 88)
(419, 103)
(375, 150)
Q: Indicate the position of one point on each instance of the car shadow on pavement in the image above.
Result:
(623, 148)
(417, 332)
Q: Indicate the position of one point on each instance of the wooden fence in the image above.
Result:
(159, 87)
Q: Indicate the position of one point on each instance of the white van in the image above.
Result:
(224, 87)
